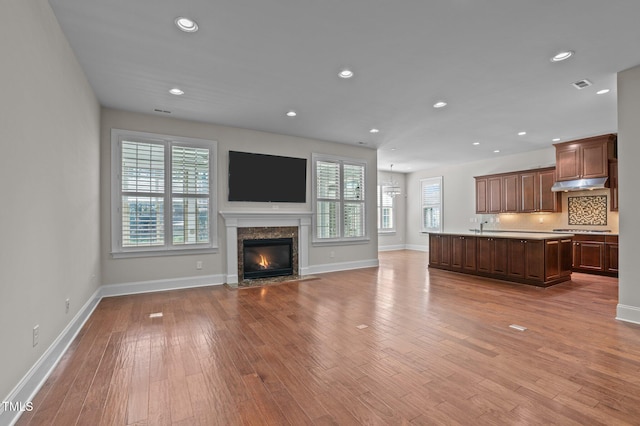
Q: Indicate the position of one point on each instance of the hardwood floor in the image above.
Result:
(437, 349)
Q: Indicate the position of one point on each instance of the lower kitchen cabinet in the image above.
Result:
(463, 253)
(540, 261)
(492, 255)
(596, 254)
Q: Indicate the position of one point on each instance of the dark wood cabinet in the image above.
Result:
(535, 191)
(541, 262)
(510, 193)
(526, 259)
(440, 250)
(492, 255)
(611, 254)
(517, 192)
(613, 184)
(463, 253)
(595, 254)
(585, 158)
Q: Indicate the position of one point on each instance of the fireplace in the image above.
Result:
(267, 257)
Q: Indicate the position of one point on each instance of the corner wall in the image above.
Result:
(628, 155)
(49, 214)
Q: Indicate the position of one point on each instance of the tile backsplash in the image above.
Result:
(587, 210)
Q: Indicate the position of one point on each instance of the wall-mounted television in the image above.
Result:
(267, 178)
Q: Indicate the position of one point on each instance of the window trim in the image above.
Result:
(341, 240)
(380, 193)
(422, 205)
(168, 249)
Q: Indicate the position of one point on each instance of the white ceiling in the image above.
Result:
(253, 60)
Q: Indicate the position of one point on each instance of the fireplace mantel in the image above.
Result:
(266, 218)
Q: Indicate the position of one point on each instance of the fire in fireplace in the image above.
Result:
(267, 257)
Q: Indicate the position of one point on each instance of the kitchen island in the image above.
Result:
(540, 259)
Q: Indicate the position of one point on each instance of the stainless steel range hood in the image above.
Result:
(579, 185)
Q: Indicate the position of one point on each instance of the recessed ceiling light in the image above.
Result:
(440, 104)
(393, 149)
(362, 143)
(187, 25)
(345, 73)
(176, 91)
(374, 131)
(561, 56)
(291, 113)
(476, 143)
(522, 133)
(496, 151)
(602, 92)
(555, 140)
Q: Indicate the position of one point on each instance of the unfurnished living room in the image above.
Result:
(285, 213)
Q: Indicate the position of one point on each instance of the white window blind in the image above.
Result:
(431, 204)
(163, 194)
(339, 199)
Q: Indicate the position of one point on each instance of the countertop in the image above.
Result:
(508, 234)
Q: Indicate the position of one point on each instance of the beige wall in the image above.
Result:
(49, 131)
(628, 154)
(229, 138)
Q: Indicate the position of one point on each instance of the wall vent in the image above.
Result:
(581, 84)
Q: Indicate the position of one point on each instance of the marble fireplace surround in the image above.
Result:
(267, 218)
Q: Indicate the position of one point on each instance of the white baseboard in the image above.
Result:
(111, 290)
(628, 314)
(31, 383)
(392, 248)
(343, 266)
(417, 247)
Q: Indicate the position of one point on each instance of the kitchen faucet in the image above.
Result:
(482, 225)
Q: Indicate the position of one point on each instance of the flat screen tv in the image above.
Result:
(267, 178)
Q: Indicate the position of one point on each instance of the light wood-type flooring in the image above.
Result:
(437, 349)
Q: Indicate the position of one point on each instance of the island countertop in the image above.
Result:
(509, 234)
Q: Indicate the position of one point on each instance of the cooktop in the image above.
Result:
(584, 231)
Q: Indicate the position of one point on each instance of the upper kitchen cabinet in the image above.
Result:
(535, 190)
(525, 191)
(613, 184)
(585, 158)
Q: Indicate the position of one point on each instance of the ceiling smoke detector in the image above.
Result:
(581, 84)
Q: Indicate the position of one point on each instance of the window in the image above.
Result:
(431, 204)
(163, 194)
(386, 207)
(339, 197)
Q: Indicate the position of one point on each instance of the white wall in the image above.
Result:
(628, 155)
(49, 211)
(116, 271)
(395, 240)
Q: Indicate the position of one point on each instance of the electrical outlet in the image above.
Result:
(199, 264)
(36, 335)
(67, 304)
(541, 219)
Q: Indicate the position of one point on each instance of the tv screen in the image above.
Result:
(267, 178)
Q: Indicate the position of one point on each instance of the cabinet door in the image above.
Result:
(494, 194)
(469, 257)
(481, 195)
(434, 249)
(611, 257)
(499, 258)
(594, 159)
(528, 193)
(484, 254)
(457, 252)
(567, 162)
(517, 259)
(534, 251)
(548, 201)
(445, 250)
(590, 255)
(511, 193)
